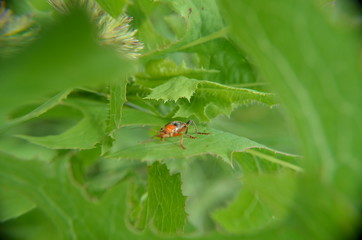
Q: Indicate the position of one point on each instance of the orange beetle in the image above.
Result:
(176, 128)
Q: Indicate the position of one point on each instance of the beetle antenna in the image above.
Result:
(148, 140)
(151, 138)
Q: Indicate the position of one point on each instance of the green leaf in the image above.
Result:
(172, 90)
(133, 117)
(143, 12)
(269, 126)
(113, 7)
(13, 204)
(202, 19)
(292, 45)
(116, 100)
(64, 56)
(221, 144)
(85, 135)
(205, 99)
(51, 188)
(235, 69)
(46, 106)
(265, 198)
(97, 174)
(165, 209)
(71, 211)
(202, 22)
(166, 68)
(203, 182)
(29, 151)
(74, 214)
(305, 68)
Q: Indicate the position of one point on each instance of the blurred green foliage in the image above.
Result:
(276, 84)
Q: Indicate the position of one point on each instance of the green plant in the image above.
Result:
(76, 103)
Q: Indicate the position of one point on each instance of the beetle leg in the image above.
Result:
(187, 128)
(190, 136)
(181, 140)
(203, 133)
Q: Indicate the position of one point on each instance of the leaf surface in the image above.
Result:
(174, 89)
(165, 211)
(117, 98)
(73, 214)
(205, 99)
(46, 106)
(258, 205)
(84, 135)
(305, 68)
(201, 20)
(224, 145)
(166, 68)
(13, 204)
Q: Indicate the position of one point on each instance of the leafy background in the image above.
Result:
(271, 82)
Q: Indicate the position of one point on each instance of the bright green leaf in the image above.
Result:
(117, 98)
(165, 209)
(172, 90)
(206, 99)
(166, 203)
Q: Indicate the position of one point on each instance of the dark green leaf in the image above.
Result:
(85, 135)
(64, 56)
